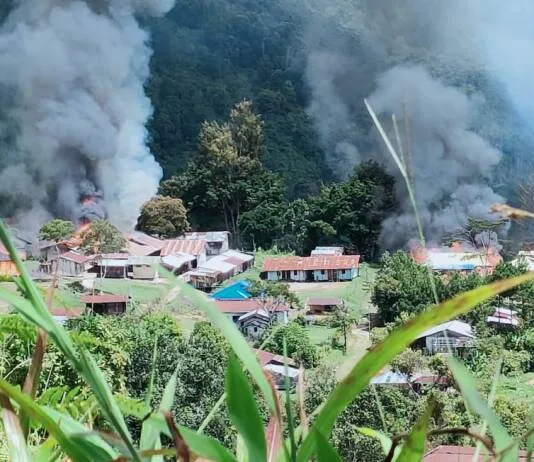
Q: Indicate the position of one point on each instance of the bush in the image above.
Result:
(299, 346)
(409, 362)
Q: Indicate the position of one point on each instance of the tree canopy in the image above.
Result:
(101, 236)
(57, 230)
(163, 216)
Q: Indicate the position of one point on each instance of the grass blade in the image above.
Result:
(244, 411)
(148, 396)
(206, 447)
(385, 441)
(373, 361)
(413, 448)
(325, 451)
(16, 441)
(73, 450)
(478, 405)
(233, 336)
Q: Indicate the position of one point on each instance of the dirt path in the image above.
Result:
(358, 342)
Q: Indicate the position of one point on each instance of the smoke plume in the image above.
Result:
(72, 79)
(454, 72)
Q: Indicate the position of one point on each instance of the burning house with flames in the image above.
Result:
(457, 258)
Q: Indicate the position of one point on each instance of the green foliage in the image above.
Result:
(342, 320)
(162, 216)
(299, 346)
(401, 286)
(57, 230)
(408, 362)
(102, 237)
(278, 291)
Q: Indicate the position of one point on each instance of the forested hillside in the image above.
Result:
(211, 54)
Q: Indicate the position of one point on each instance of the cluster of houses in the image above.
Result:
(203, 259)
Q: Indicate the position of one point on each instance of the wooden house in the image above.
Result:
(7, 265)
(275, 366)
(194, 247)
(315, 268)
(71, 264)
(112, 265)
(144, 267)
(323, 305)
(105, 304)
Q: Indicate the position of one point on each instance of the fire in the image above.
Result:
(76, 239)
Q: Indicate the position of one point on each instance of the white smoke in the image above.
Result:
(425, 59)
(77, 70)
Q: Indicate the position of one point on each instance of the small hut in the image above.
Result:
(7, 266)
(106, 304)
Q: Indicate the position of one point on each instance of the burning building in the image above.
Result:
(73, 86)
(457, 258)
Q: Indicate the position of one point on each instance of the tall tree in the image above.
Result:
(227, 178)
(102, 237)
(57, 230)
(163, 216)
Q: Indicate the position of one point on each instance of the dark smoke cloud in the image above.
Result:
(457, 69)
(77, 70)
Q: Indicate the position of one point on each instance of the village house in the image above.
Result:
(194, 247)
(105, 304)
(7, 265)
(457, 259)
(453, 336)
(143, 267)
(323, 305)
(316, 268)
(253, 316)
(111, 265)
(71, 264)
(525, 257)
(235, 291)
(504, 318)
(217, 242)
(464, 454)
(50, 251)
(178, 263)
(141, 245)
(327, 251)
(275, 366)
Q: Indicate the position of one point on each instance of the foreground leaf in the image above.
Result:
(236, 340)
(479, 406)
(413, 448)
(385, 441)
(373, 361)
(244, 412)
(325, 451)
(206, 447)
(16, 443)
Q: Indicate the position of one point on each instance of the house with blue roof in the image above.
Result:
(235, 291)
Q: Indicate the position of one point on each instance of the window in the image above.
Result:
(323, 272)
(295, 272)
(255, 329)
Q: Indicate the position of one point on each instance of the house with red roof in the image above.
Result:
(314, 268)
(275, 365)
(194, 247)
(253, 316)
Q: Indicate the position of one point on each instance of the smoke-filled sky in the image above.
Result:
(72, 92)
(458, 70)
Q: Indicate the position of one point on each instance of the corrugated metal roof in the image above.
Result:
(177, 261)
(327, 251)
(219, 264)
(190, 246)
(112, 263)
(267, 357)
(209, 236)
(461, 454)
(458, 327)
(141, 250)
(144, 239)
(115, 256)
(76, 257)
(326, 262)
(242, 257)
(104, 298)
(244, 306)
(143, 260)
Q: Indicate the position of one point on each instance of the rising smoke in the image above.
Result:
(76, 71)
(453, 72)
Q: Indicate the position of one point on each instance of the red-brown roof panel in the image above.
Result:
(104, 298)
(245, 306)
(188, 246)
(315, 262)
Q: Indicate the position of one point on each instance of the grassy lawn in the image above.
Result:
(519, 387)
(140, 291)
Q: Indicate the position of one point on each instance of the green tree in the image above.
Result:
(227, 178)
(402, 286)
(409, 362)
(102, 237)
(299, 346)
(274, 291)
(342, 320)
(57, 230)
(163, 216)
